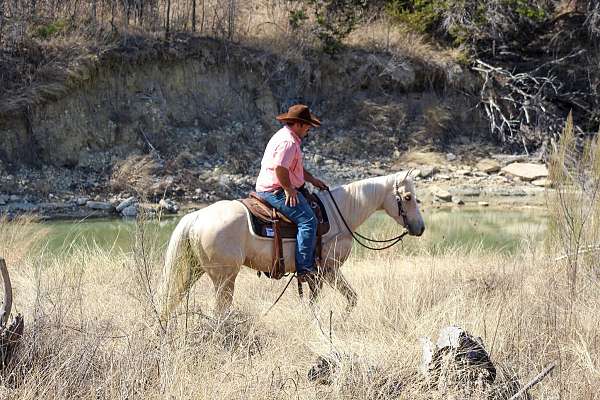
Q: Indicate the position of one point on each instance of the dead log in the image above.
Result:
(10, 333)
(457, 357)
(538, 378)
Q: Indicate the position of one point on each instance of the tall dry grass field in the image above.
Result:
(91, 331)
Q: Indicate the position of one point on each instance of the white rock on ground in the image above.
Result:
(488, 165)
(542, 182)
(125, 203)
(428, 170)
(168, 205)
(526, 171)
(440, 194)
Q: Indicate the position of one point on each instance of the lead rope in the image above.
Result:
(356, 235)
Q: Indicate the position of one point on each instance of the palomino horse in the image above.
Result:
(217, 240)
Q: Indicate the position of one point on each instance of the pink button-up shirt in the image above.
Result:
(282, 150)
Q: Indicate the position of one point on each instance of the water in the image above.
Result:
(465, 230)
(488, 230)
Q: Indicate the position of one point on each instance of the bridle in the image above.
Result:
(390, 242)
(401, 210)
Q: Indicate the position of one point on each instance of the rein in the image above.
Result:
(355, 235)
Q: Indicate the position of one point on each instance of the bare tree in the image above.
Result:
(193, 15)
(203, 12)
(231, 13)
(94, 12)
(1, 19)
(168, 20)
(517, 104)
(32, 8)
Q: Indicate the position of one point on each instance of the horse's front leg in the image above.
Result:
(336, 279)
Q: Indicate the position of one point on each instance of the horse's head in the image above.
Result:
(401, 204)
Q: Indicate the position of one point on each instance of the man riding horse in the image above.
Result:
(281, 178)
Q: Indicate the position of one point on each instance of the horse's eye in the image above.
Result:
(407, 196)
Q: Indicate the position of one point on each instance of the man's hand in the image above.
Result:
(319, 184)
(291, 197)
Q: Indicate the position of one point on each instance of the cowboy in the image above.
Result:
(281, 176)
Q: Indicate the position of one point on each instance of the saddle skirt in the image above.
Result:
(263, 216)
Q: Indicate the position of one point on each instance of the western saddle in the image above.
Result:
(270, 223)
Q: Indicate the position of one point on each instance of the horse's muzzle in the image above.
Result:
(416, 231)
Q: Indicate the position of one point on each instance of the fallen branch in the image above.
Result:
(534, 381)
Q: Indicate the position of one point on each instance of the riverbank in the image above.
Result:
(442, 180)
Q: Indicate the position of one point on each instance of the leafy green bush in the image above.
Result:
(470, 21)
(420, 15)
(50, 30)
(334, 19)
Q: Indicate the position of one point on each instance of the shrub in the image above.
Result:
(50, 30)
(334, 19)
(420, 15)
(575, 206)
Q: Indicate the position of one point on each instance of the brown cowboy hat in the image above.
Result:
(299, 113)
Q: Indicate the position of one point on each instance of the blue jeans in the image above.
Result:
(303, 216)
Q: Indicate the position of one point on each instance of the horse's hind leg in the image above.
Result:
(339, 281)
(223, 279)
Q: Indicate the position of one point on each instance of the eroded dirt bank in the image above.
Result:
(188, 120)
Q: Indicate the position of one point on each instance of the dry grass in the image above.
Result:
(137, 174)
(17, 237)
(90, 330)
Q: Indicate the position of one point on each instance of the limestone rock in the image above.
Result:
(505, 191)
(428, 170)
(377, 172)
(130, 211)
(483, 203)
(488, 165)
(82, 201)
(542, 182)
(526, 171)
(441, 194)
(99, 205)
(458, 201)
(168, 205)
(125, 204)
(466, 191)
